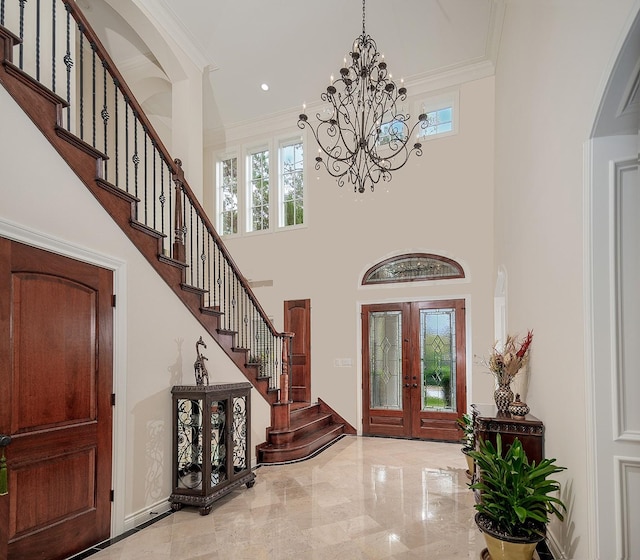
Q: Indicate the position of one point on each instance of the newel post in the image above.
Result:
(281, 411)
(178, 222)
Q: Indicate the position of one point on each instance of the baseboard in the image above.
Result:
(147, 514)
(348, 428)
(554, 547)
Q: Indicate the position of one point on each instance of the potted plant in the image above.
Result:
(468, 440)
(515, 499)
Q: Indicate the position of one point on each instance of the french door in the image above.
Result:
(414, 369)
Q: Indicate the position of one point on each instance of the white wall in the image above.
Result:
(156, 335)
(439, 203)
(551, 69)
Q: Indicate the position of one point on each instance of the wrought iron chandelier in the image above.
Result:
(363, 130)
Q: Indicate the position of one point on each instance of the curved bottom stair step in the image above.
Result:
(301, 447)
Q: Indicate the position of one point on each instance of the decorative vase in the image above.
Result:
(518, 408)
(503, 396)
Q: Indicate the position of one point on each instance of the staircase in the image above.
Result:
(80, 102)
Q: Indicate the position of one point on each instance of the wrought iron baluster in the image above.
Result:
(169, 213)
(116, 133)
(135, 158)
(68, 62)
(203, 256)
(162, 200)
(126, 144)
(210, 265)
(234, 304)
(38, 33)
(183, 198)
(245, 321)
(21, 33)
(219, 278)
(104, 113)
(1, 12)
(192, 260)
(93, 93)
(81, 97)
(155, 155)
(53, 45)
(225, 305)
(146, 175)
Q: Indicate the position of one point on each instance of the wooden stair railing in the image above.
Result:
(79, 100)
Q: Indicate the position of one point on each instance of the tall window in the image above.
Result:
(292, 184)
(259, 191)
(266, 192)
(228, 201)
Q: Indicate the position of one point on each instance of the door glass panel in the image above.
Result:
(438, 359)
(385, 355)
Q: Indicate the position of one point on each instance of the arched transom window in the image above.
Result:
(412, 268)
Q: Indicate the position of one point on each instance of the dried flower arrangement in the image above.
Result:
(506, 363)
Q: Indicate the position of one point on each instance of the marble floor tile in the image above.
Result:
(361, 498)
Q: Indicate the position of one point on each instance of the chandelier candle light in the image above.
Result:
(363, 133)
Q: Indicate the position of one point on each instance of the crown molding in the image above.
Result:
(286, 120)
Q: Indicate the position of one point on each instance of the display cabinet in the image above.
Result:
(211, 443)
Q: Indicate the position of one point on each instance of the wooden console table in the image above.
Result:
(487, 422)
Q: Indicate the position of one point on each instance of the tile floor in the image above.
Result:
(361, 498)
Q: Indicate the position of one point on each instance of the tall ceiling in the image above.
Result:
(294, 46)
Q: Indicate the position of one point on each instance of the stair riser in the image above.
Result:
(299, 432)
(308, 412)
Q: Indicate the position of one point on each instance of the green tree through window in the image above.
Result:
(229, 196)
(259, 190)
(292, 177)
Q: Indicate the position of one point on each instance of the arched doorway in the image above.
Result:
(614, 306)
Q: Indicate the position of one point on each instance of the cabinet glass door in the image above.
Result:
(189, 444)
(218, 442)
(239, 434)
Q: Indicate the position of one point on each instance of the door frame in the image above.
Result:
(424, 297)
(118, 267)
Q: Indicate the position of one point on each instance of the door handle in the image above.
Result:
(406, 385)
(4, 441)
(415, 385)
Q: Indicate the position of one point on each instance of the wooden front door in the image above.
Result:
(56, 331)
(414, 369)
(297, 319)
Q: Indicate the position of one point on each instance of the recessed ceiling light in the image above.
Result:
(265, 87)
